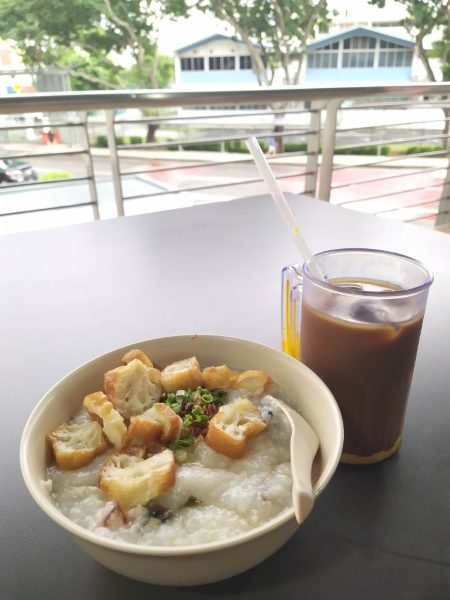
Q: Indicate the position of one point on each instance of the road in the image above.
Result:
(158, 185)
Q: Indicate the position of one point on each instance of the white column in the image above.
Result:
(376, 59)
(328, 142)
(340, 50)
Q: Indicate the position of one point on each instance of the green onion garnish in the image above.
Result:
(183, 442)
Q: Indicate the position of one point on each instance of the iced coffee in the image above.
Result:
(360, 335)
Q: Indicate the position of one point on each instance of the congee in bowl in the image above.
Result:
(177, 448)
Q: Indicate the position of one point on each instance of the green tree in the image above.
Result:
(82, 35)
(441, 50)
(281, 29)
(423, 18)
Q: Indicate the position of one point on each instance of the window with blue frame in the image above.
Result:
(325, 58)
(222, 63)
(394, 55)
(245, 62)
(360, 52)
(194, 63)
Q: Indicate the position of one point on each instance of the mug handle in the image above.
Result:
(291, 304)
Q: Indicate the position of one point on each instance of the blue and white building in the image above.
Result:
(360, 54)
(356, 54)
(215, 60)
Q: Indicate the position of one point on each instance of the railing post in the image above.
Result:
(90, 167)
(312, 148)
(328, 143)
(114, 159)
(443, 216)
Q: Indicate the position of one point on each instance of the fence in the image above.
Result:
(382, 149)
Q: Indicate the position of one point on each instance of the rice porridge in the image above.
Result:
(175, 457)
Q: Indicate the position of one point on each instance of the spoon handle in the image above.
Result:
(304, 445)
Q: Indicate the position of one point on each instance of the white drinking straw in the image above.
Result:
(282, 205)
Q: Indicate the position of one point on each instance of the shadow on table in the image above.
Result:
(354, 510)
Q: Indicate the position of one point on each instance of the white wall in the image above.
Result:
(219, 47)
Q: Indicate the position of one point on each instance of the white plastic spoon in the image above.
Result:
(304, 446)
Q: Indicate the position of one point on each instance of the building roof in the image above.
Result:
(207, 40)
(330, 39)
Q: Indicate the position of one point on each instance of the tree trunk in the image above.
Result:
(285, 59)
(257, 62)
(135, 43)
(151, 131)
(424, 58)
(296, 79)
(426, 63)
(279, 140)
(307, 33)
(152, 73)
(93, 79)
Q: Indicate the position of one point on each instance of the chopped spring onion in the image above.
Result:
(183, 442)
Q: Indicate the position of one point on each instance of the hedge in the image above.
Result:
(365, 150)
(52, 175)
(417, 149)
(101, 141)
(136, 139)
(239, 146)
(202, 146)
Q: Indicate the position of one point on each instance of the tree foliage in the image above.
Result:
(82, 35)
(281, 29)
(423, 18)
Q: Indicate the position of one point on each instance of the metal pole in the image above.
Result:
(114, 158)
(312, 148)
(90, 173)
(329, 140)
(109, 100)
(443, 217)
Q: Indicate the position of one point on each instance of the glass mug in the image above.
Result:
(358, 330)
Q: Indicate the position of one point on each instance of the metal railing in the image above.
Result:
(354, 145)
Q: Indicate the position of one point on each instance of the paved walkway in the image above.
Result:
(206, 157)
(404, 188)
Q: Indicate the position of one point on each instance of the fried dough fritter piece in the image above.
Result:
(133, 388)
(157, 424)
(75, 446)
(220, 377)
(114, 428)
(231, 428)
(253, 382)
(134, 354)
(134, 481)
(181, 375)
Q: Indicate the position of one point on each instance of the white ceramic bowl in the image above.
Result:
(202, 563)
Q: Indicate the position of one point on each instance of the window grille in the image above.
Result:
(194, 63)
(222, 63)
